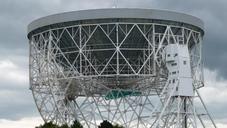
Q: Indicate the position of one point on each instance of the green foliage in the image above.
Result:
(105, 124)
(48, 125)
(117, 126)
(64, 126)
(76, 124)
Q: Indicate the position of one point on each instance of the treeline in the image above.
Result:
(76, 124)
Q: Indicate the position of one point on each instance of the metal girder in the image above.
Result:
(73, 68)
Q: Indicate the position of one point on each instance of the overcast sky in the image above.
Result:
(17, 108)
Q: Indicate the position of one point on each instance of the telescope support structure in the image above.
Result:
(178, 108)
(140, 68)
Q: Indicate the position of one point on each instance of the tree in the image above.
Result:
(64, 126)
(105, 124)
(117, 126)
(76, 124)
(48, 125)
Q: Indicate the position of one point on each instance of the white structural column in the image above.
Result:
(178, 109)
(177, 60)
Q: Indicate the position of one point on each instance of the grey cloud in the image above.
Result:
(16, 104)
(15, 15)
(214, 16)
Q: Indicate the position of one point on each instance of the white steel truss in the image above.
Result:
(114, 72)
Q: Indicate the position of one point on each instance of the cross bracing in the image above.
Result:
(74, 68)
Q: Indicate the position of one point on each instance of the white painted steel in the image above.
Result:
(117, 72)
(110, 13)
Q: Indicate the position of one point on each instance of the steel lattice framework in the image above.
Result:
(114, 71)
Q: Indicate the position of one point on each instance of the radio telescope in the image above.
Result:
(140, 68)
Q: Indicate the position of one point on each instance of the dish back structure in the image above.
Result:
(109, 64)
